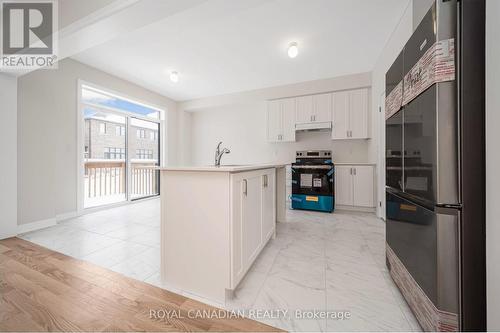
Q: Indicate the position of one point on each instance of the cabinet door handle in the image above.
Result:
(350, 171)
(354, 171)
(265, 180)
(245, 189)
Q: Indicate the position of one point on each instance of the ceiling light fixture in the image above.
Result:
(293, 49)
(174, 77)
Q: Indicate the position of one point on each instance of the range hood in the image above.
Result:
(322, 126)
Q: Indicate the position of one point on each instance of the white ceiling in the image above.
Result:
(226, 46)
(71, 11)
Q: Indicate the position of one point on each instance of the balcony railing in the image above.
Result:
(105, 180)
(144, 178)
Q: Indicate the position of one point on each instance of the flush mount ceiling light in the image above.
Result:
(293, 49)
(174, 77)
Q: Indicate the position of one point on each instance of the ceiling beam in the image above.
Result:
(115, 19)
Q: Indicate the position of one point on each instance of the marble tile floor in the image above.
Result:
(125, 239)
(318, 263)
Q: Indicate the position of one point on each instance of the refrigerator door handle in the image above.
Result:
(448, 209)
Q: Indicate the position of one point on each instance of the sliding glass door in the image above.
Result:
(144, 149)
(121, 149)
(105, 156)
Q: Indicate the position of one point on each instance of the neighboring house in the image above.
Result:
(106, 140)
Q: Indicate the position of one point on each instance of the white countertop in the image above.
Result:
(360, 163)
(223, 168)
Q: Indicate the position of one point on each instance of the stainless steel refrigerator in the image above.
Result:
(435, 178)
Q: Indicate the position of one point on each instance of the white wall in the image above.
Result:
(47, 150)
(492, 163)
(391, 50)
(8, 157)
(239, 120)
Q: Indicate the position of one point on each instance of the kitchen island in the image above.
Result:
(214, 223)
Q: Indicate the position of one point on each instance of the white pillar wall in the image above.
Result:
(8, 156)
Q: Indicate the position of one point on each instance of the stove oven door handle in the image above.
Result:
(325, 167)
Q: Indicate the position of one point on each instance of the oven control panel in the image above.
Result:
(314, 154)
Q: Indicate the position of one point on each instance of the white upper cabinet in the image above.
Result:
(340, 115)
(304, 111)
(322, 108)
(274, 127)
(288, 119)
(345, 111)
(358, 108)
(281, 120)
(350, 114)
(314, 109)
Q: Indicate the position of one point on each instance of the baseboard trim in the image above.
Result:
(7, 235)
(356, 208)
(66, 216)
(27, 227)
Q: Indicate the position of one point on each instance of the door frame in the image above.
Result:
(80, 163)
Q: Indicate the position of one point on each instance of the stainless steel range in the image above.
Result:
(312, 181)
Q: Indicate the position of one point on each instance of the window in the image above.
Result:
(141, 134)
(153, 136)
(99, 98)
(120, 130)
(114, 153)
(144, 154)
(102, 128)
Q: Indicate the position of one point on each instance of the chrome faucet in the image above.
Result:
(219, 153)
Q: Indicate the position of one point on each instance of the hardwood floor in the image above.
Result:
(43, 290)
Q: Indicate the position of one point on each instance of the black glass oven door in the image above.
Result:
(312, 179)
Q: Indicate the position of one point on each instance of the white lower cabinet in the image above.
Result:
(253, 219)
(354, 186)
(343, 185)
(268, 203)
